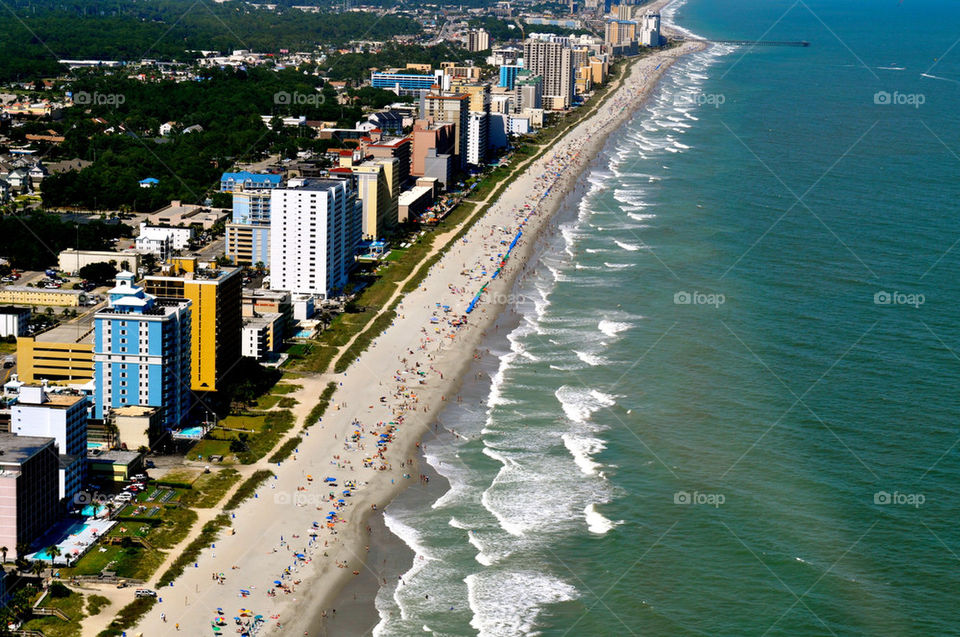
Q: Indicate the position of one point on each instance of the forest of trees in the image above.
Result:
(227, 104)
(33, 241)
(40, 33)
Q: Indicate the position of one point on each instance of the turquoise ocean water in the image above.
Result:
(729, 403)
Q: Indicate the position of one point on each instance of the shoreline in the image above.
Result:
(529, 258)
(265, 540)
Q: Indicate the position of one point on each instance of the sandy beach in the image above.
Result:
(294, 546)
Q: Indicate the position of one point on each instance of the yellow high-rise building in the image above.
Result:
(215, 323)
(378, 187)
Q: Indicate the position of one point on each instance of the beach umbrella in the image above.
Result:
(328, 479)
(278, 582)
(219, 611)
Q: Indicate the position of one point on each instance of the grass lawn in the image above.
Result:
(266, 402)
(247, 422)
(185, 475)
(134, 562)
(72, 605)
(285, 388)
(210, 487)
(209, 447)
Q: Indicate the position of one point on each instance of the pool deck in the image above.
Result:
(73, 546)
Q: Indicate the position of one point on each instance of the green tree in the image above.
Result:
(99, 273)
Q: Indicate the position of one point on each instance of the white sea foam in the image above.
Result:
(582, 449)
(579, 403)
(619, 266)
(612, 328)
(507, 604)
(590, 359)
(410, 537)
(596, 522)
(639, 216)
(632, 247)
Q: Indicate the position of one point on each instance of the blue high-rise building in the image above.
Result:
(248, 234)
(508, 75)
(141, 353)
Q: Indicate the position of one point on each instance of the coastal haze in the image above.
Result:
(725, 407)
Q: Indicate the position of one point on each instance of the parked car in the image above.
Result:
(145, 592)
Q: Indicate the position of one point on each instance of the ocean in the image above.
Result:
(723, 400)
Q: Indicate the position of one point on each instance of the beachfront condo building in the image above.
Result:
(477, 121)
(63, 417)
(451, 109)
(248, 233)
(215, 296)
(315, 225)
(141, 353)
(433, 154)
(551, 58)
(29, 496)
(397, 148)
(378, 187)
(650, 29)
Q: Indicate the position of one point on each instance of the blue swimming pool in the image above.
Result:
(304, 334)
(192, 432)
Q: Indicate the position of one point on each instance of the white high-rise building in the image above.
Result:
(478, 124)
(61, 416)
(650, 29)
(315, 225)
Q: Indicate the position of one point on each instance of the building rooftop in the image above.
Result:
(134, 410)
(16, 449)
(78, 331)
(316, 184)
(262, 319)
(200, 274)
(115, 456)
(13, 309)
(23, 288)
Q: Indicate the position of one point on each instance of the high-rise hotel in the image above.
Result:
(141, 353)
(315, 225)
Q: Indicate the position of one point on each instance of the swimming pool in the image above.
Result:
(192, 432)
(304, 334)
(74, 529)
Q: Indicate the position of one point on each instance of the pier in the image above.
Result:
(760, 42)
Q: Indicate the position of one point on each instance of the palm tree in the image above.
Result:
(3, 551)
